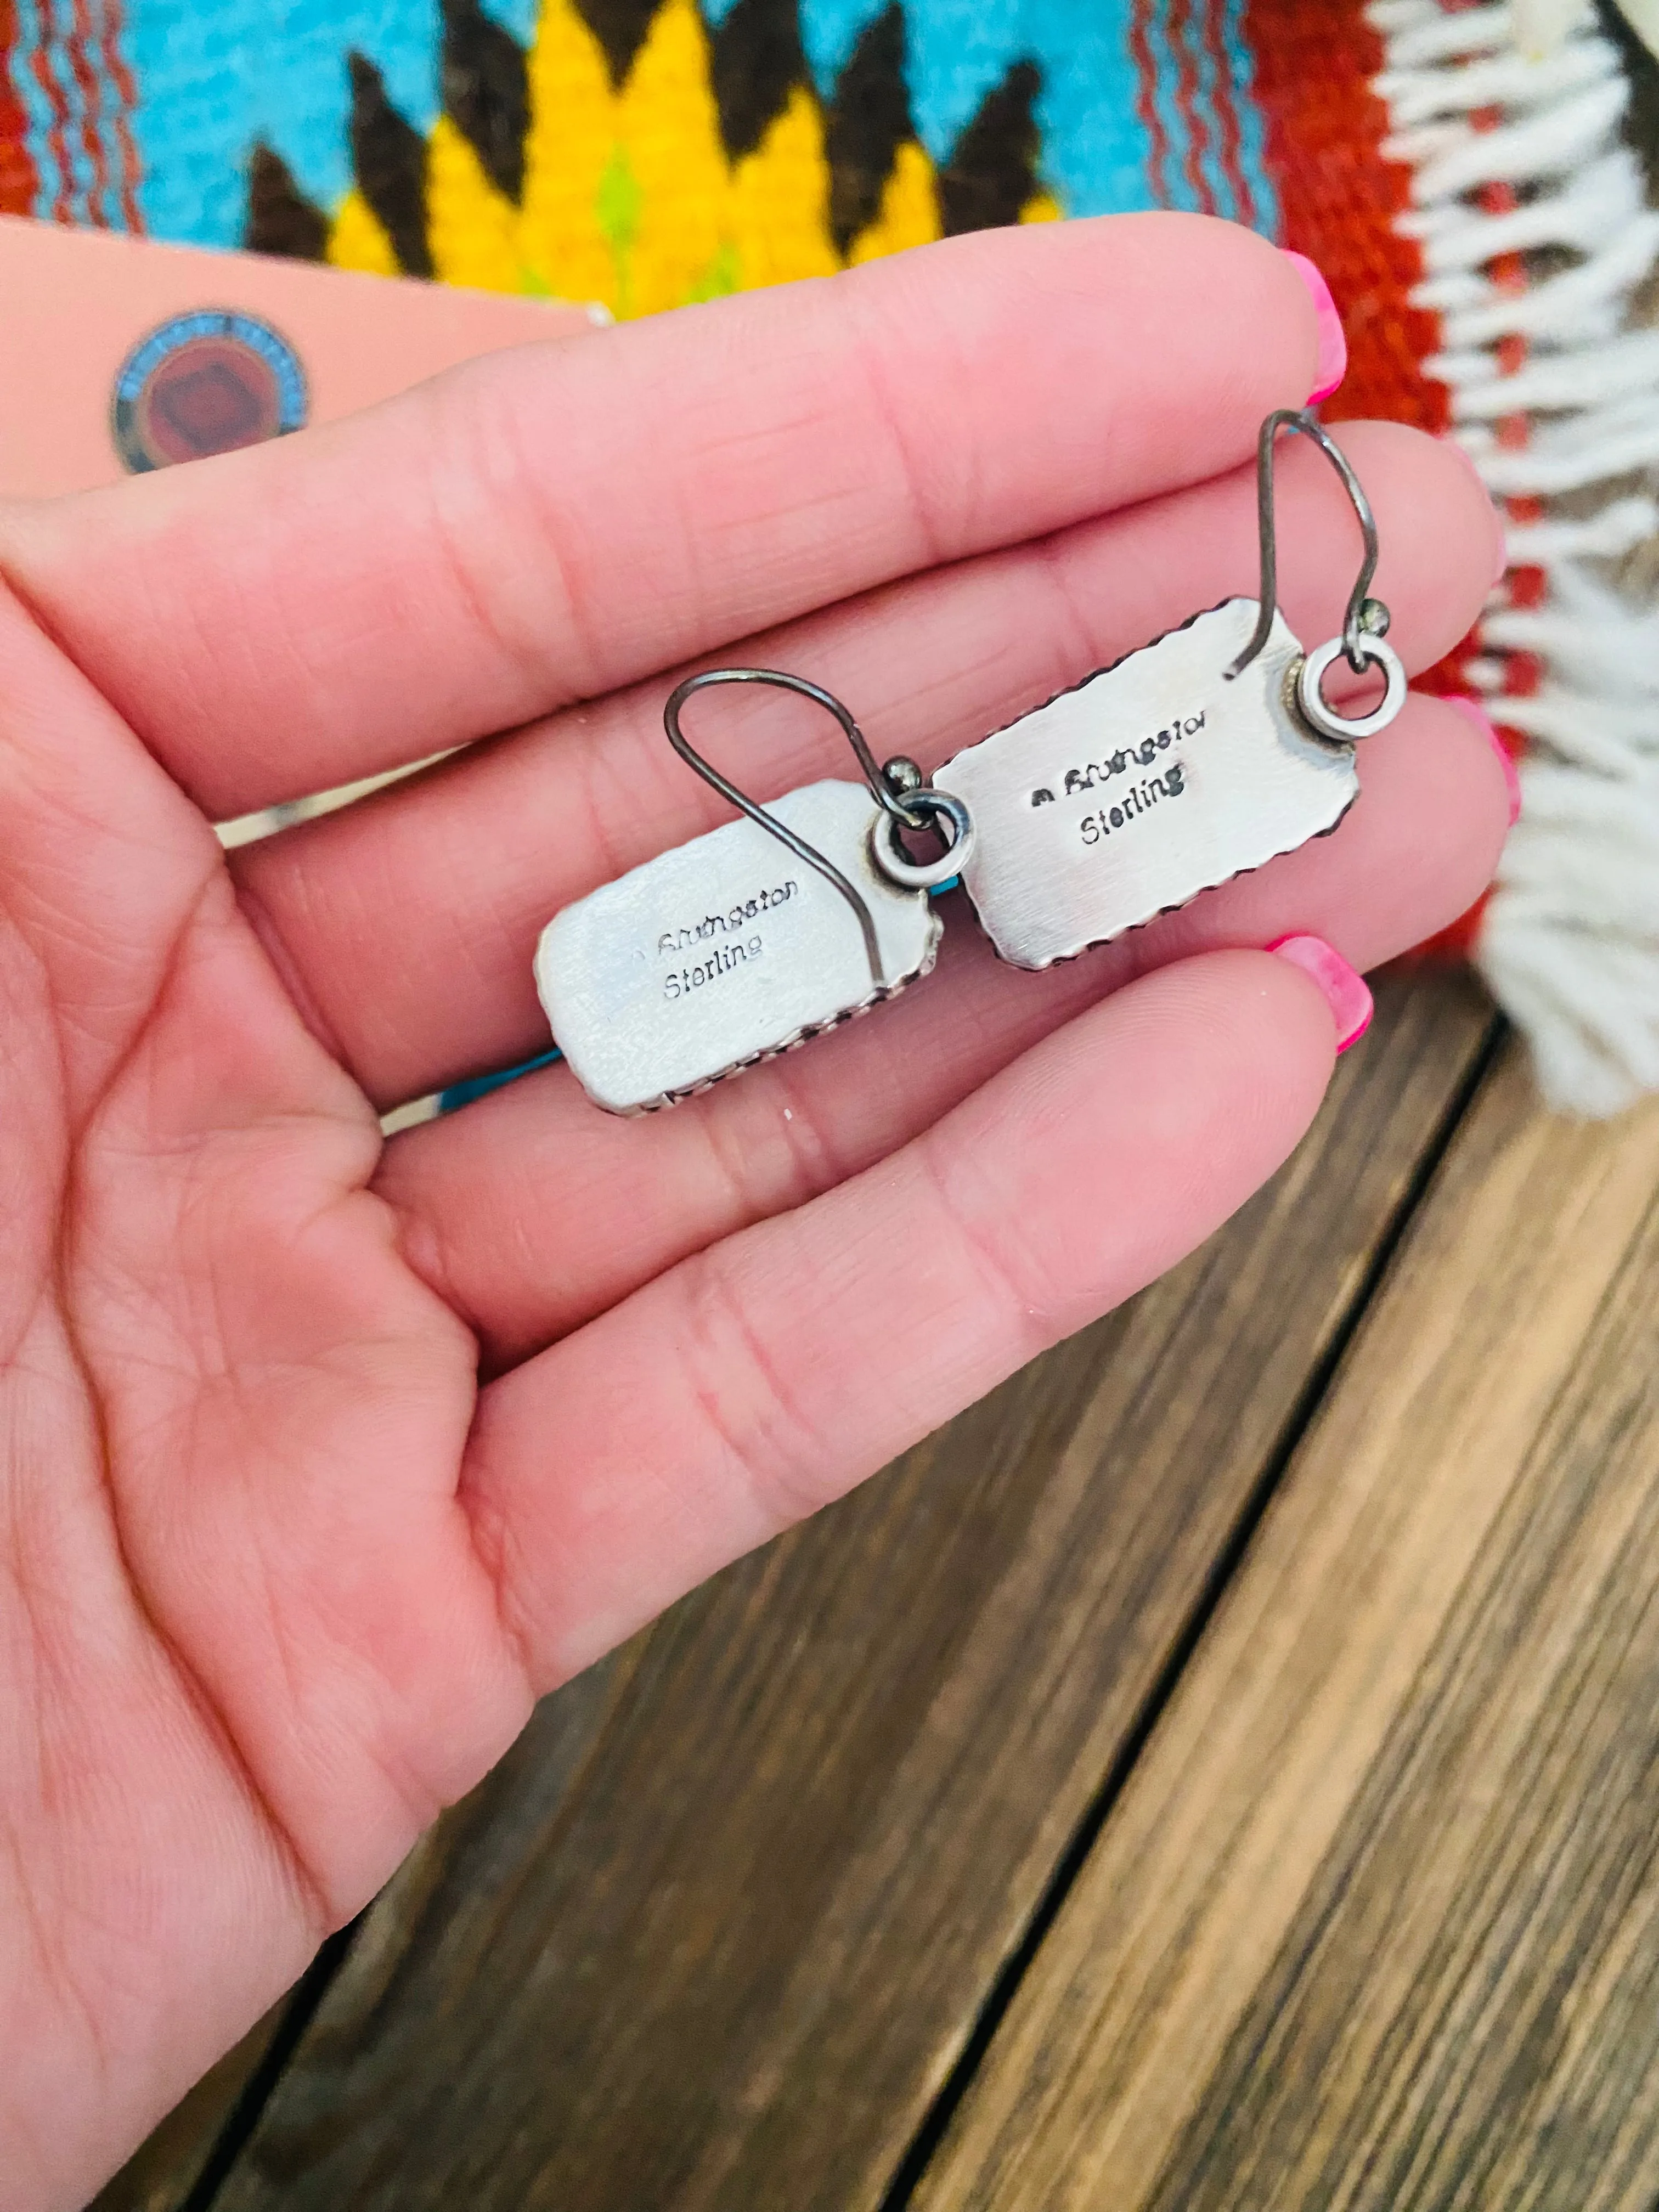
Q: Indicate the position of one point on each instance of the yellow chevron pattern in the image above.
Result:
(630, 197)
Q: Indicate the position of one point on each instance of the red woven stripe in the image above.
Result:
(1228, 139)
(57, 100)
(1314, 62)
(1183, 37)
(17, 180)
(81, 43)
(126, 93)
(1157, 139)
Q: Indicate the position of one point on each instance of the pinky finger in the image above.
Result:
(761, 1379)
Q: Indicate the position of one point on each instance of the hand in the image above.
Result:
(278, 1577)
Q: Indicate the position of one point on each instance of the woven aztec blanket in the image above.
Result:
(1479, 213)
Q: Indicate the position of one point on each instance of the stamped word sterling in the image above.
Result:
(1194, 760)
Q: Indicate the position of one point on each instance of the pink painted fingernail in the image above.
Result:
(1333, 341)
(1477, 717)
(1349, 1001)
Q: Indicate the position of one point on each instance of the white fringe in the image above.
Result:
(1569, 941)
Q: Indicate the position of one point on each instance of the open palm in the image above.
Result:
(279, 1574)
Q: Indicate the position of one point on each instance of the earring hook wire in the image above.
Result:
(1360, 621)
(777, 678)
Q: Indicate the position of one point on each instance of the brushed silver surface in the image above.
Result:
(724, 951)
(1149, 783)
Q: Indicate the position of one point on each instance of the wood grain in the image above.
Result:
(163, 2171)
(1376, 1922)
(174, 2168)
(727, 1958)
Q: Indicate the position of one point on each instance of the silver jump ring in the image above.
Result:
(1343, 729)
(896, 864)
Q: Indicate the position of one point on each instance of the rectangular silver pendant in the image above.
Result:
(725, 951)
(1149, 783)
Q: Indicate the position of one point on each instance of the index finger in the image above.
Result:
(547, 523)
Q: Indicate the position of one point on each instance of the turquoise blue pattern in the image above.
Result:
(1094, 148)
(216, 75)
(517, 16)
(1095, 156)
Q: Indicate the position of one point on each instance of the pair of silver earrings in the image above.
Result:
(1194, 760)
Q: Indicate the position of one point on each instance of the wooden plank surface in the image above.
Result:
(184, 2162)
(727, 1956)
(1376, 1922)
(160, 2174)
